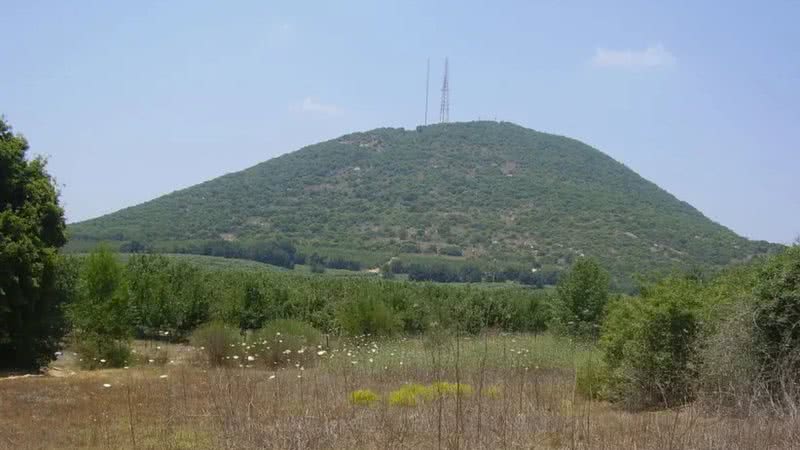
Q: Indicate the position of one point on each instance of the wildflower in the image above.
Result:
(202, 348)
(106, 385)
(163, 376)
(272, 377)
(321, 352)
(278, 333)
(235, 356)
(102, 361)
(370, 360)
(301, 350)
(287, 351)
(353, 362)
(58, 353)
(251, 358)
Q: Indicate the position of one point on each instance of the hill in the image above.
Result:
(495, 193)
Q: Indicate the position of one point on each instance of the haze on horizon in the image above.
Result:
(132, 101)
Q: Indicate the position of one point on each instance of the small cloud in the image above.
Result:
(653, 56)
(311, 105)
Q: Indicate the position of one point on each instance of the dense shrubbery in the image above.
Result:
(731, 341)
(777, 321)
(216, 340)
(367, 315)
(285, 340)
(101, 316)
(160, 297)
(650, 344)
(166, 296)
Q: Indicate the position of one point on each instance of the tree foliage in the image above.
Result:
(31, 231)
(102, 306)
(582, 297)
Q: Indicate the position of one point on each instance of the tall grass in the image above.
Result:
(236, 407)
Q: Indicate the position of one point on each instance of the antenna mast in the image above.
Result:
(427, 85)
(444, 110)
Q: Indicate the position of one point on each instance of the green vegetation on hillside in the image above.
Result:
(495, 193)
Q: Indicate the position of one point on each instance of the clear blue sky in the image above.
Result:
(131, 100)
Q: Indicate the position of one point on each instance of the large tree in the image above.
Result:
(31, 231)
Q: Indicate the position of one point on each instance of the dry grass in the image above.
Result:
(513, 404)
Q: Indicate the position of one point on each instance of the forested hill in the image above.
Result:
(493, 192)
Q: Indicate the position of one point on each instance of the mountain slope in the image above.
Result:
(492, 191)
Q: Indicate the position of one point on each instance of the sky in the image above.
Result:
(132, 100)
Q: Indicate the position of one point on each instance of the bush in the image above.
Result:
(101, 310)
(367, 314)
(777, 322)
(363, 397)
(649, 344)
(97, 352)
(582, 295)
(730, 371)
(409, 394)
(529, 313)
(215, 340)
(285, 340)
(402, 397)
